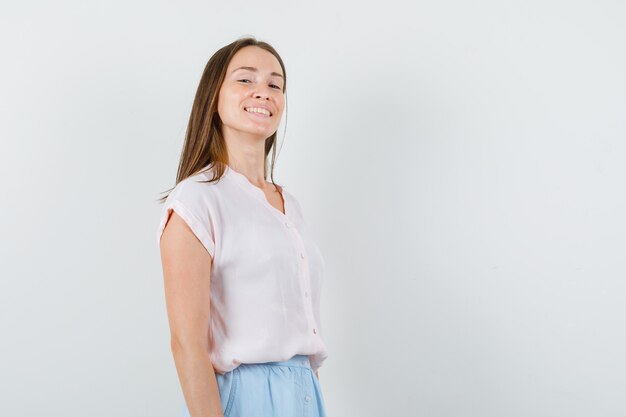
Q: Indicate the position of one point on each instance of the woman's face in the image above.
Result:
(245, 91)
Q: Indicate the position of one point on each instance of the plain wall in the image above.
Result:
(460, 163)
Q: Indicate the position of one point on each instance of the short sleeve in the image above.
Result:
(191, 201)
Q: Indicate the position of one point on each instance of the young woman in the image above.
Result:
(242, 275)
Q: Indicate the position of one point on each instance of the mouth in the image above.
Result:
(257, 111)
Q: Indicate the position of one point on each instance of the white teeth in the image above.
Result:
(257, 110)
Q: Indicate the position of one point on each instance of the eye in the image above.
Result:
(277, 87)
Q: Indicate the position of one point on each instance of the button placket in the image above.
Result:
(305, 281)
(305, 278)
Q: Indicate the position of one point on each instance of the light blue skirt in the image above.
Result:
(271, 389)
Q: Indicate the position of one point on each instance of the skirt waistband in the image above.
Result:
(300, 361)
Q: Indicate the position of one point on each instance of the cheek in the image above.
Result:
(228, 102)
(280, 100)
(281, 104)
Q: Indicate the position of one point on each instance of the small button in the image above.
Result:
(288, 224)
(315, 331)
(306, 293)
(302, 255)
(307, 398)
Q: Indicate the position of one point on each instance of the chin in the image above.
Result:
(262, 132)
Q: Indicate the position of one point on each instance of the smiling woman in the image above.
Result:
(242, 274)
(252, 99)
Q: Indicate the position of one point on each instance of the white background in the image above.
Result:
(462, 165)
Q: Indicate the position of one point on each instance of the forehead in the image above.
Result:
(253, 56)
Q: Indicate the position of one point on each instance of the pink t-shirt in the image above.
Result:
(267, 272)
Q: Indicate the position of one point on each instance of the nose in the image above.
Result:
(262, 92)
(263, 96)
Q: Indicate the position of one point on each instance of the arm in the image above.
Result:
(186, 273)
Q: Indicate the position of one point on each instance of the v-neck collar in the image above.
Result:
(245, 183)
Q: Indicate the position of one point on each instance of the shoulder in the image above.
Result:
(193, 202)
(197, 184)
(196, 194)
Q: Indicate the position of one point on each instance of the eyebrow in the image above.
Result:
(253, 69)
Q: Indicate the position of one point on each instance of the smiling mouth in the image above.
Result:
(258, 111)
